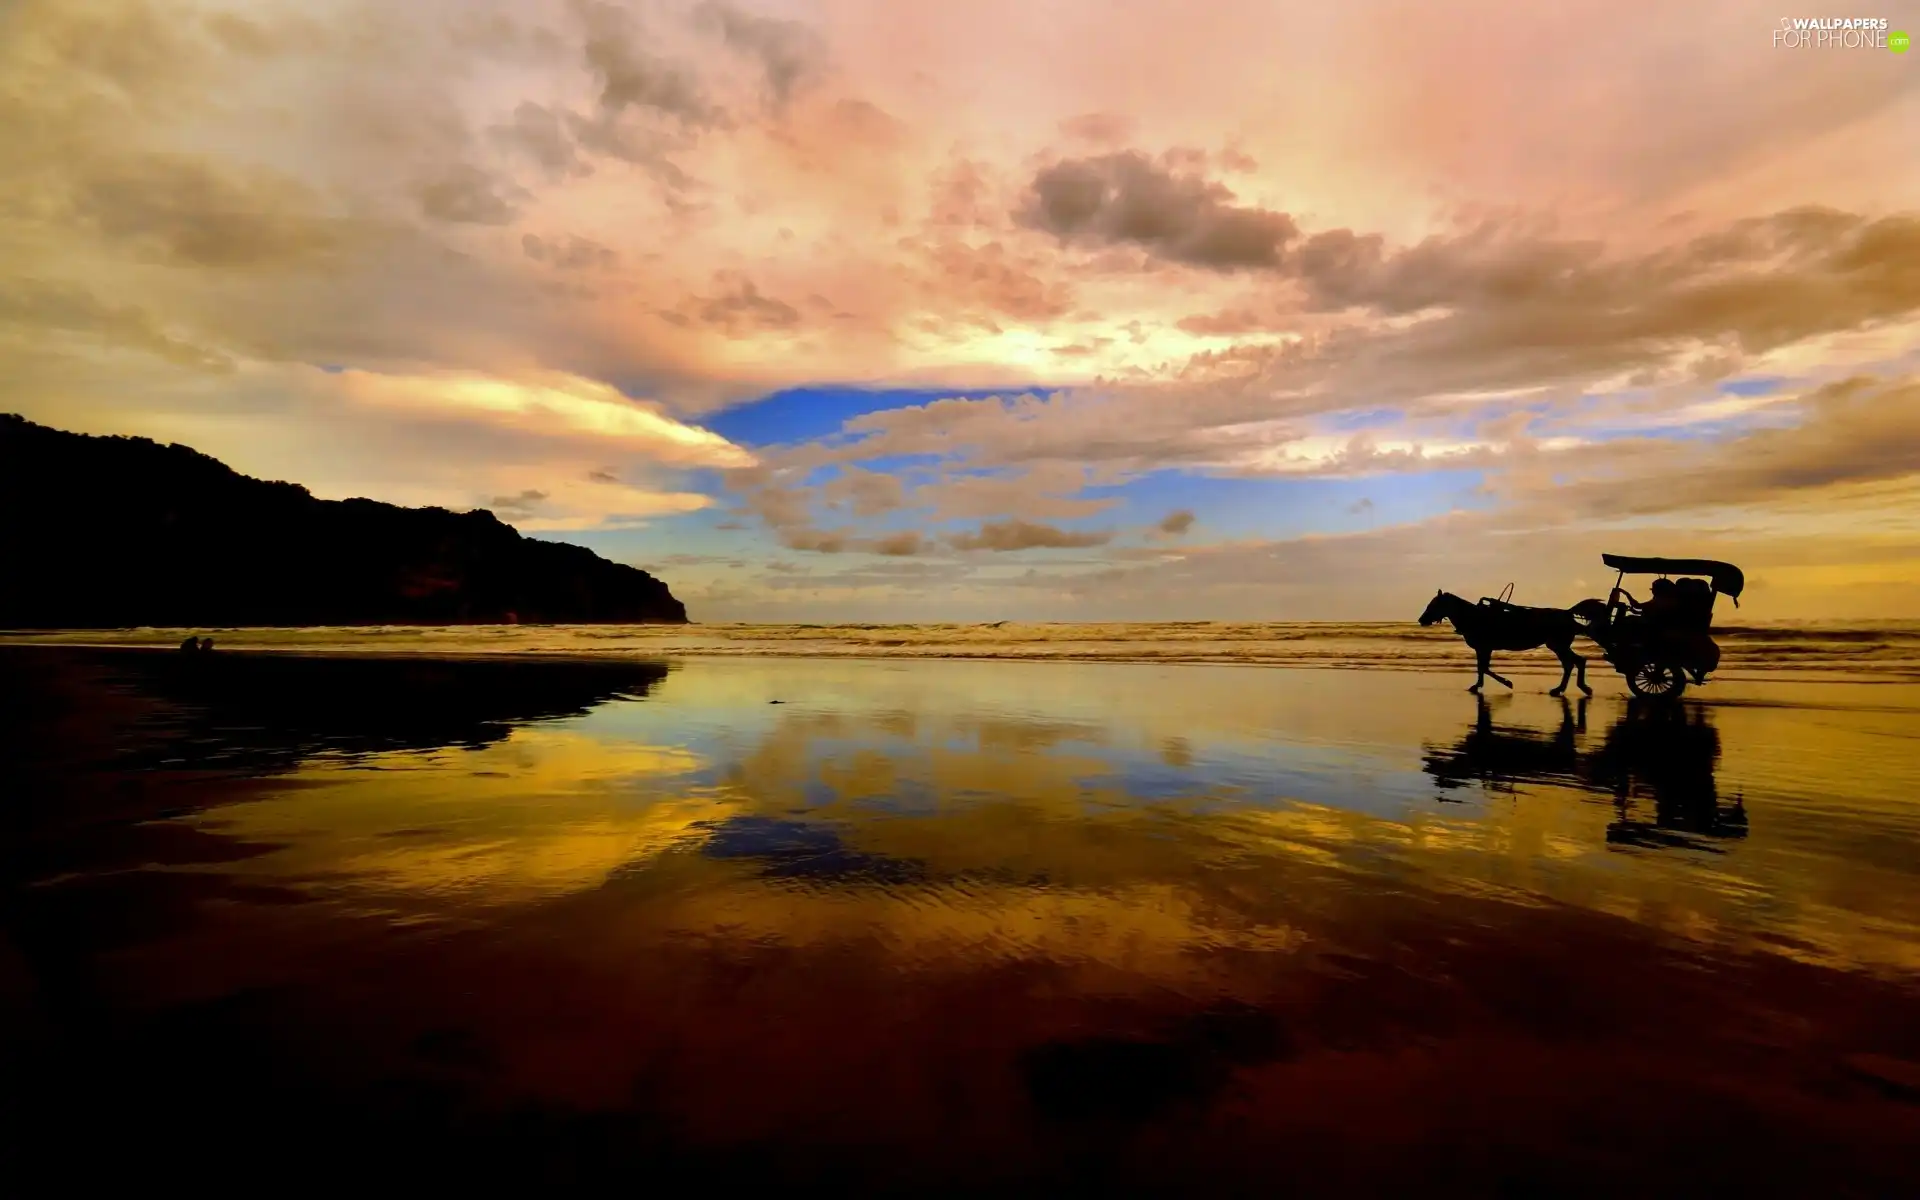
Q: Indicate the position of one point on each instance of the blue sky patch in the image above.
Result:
(810, 413)
(1759, 385)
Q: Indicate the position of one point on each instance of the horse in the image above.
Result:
(1490, 627)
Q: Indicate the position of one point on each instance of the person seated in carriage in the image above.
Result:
(1658, 611)
(1677, 615)
(1663, 603)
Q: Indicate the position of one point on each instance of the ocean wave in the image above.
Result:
(1855, 650)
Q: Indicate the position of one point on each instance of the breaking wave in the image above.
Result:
(1877, 650)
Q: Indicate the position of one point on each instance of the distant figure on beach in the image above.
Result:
(196, 645)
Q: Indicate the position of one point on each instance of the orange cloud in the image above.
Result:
(492, 222)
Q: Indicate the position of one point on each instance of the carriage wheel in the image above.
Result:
(1656, 681)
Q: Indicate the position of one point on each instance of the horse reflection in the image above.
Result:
(1667, 754)
(1497, 757)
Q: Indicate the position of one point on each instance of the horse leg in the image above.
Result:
(1568, 660)
(1486, 664)
(1480, 679)
(1566, 672)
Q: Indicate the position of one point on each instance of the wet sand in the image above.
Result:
(938, 926)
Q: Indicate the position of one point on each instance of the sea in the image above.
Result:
(1852, 651)
(1175, 908)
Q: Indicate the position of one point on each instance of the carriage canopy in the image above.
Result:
(1727, 579)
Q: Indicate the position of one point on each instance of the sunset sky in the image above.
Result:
(857, 310)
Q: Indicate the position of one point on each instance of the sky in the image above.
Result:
(872, 310)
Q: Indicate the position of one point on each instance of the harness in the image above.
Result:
(1507, 606)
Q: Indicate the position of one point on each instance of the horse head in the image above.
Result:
(1592, 610)
(1437, 608)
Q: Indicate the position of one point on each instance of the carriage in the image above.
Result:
(1662, 644)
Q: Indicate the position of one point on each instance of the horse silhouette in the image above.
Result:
(1498, 625)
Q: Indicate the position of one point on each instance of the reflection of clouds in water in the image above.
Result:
(1158, 932)
(1329, 816)
(546, 810)
(1119, 815)
(1175, 752)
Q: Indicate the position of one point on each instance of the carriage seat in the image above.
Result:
(1694, 605)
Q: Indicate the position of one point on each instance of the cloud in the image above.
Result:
(1125, 429)
(737, 308)
(40, 306)
(807, 538)
(1517, 310)
(574, 253)
(1176, 522)
(789, 53)
(631, 77)
(1230, 323)
(1044, 490)
(640, 146)
(1000, 282)
(866, 124)
(509, 508)
(1854, 431)
(1015, 534)
(1488, 317)
(465, 194)
(1104, 128)
(867, 493)
(958, 196)
(1751, 278)
(1127, 198)
(897, 581)
(539, 134)
(611, 510)
(845, 541)
(816, 541)
(193, 212)
(562, 407)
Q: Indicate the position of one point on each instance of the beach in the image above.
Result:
(1833, 652)
(1175, 908)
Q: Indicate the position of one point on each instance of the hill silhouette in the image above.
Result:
(101, 532)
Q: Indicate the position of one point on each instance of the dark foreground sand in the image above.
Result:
(276, 922)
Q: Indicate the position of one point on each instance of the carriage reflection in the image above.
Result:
(1658, 763)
